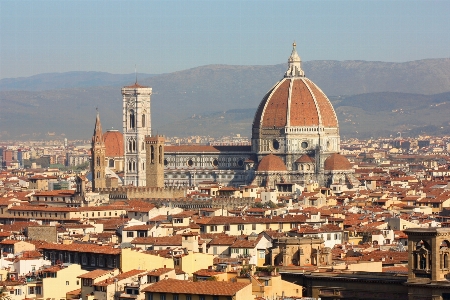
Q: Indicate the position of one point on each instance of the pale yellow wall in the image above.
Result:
(23, 246)
(371, 266)
(66, 280)
(131, 259)
(87, 290)
(196, 261)
(278, 287)
(245, 293)
(23, 292)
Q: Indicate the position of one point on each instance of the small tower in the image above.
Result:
(155, 161)
(98, 151)
(429, 254)
(136, 125)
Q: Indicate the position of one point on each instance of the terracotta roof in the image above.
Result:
(271, 163)
(94, 274)
(135, 86)
(337, 161)
(75, 247)
(159, 272)
(119, 277)
(113, 143)
(219, 288)
(305, 158)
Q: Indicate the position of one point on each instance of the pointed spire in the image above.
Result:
(294, 64)
(97, 138)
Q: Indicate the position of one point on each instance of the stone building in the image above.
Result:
(136, 126)
(295, 139)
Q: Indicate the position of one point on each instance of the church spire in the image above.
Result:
(294, 64)
(97, 138)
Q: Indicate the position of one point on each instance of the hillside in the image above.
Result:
(219, 99)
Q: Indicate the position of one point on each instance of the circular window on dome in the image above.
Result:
(166, 162)
(240, 163)
(304, 145)
(275, 144)
(190, 163)
(215, 162)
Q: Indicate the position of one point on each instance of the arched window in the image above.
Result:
(132, 119)
(445, 261)
(143, 120)
(143, 146)
(129, 166)
(98, 161)
(134, 145)
(160, 154)
(152, 154)
(111, 163)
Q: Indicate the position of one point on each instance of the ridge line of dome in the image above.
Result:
(275, 88)
(319, 112)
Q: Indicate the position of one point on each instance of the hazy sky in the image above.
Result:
(165, 36)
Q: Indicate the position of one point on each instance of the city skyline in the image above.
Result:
(162, 37)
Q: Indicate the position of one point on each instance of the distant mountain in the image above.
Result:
(52, 81)
(220, 99)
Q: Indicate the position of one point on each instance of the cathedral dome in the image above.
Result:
(271, 163)
(337, 161)
(113, 143)
(295, 101)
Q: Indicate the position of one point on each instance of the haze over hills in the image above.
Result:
(370, 98)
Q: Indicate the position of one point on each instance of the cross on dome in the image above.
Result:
(294, 64)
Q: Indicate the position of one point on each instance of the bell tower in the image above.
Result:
(136, 125)
(155, 161)
(98, 151)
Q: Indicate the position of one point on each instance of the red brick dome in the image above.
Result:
(271, 163)
(113, 143)
(337, 161)
(295, 101)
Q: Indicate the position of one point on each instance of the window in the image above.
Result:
(176, 261)
(328, 236)
(87, 282)
(162, 296)
(67, 283)
(175, 297)
(241, 227)
(188, 297)
(130, 234)
(261, 254)
(18, 292)
(253, 226)
(201, 297)
(226, 228)
(38, 290)
(213, 228)
(31, 290)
